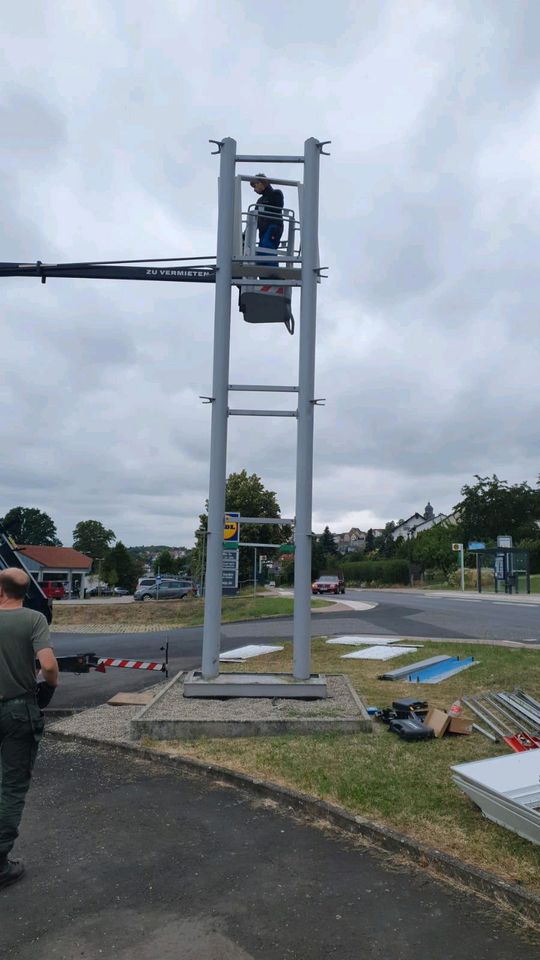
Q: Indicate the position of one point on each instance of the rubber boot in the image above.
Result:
(10, 870)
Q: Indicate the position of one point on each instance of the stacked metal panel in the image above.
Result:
(507, 790)
(432, 670)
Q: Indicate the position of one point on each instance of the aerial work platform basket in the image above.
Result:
(278, 270)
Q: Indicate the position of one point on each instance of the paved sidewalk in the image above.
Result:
(134, 861)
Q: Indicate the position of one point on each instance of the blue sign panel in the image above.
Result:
(476, 545)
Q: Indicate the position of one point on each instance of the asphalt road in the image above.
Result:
(396, 614)
(130, 860)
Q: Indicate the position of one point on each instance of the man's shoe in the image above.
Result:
(11, 871)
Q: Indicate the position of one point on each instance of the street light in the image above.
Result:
(99, 560)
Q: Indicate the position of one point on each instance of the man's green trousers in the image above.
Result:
(21, 728)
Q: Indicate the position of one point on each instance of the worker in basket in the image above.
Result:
(269, 221)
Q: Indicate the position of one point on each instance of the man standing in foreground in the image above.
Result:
(24, 637)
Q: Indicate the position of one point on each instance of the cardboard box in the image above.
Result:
(438, 720)
(460, 725)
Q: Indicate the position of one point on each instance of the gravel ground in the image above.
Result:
(106, 724)
(340, 704)
(110, 724)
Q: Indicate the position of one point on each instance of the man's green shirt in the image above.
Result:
(23, 633)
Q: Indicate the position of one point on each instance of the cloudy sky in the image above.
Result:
(428, 329)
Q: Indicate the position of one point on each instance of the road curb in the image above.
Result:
(486, 885)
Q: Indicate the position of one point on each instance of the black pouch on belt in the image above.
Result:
(45, 693)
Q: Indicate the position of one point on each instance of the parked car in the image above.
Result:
(121, 592)
(328, 583)
(164, 590)
(102, 591)
(53, 589)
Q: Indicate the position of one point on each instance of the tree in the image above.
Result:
(165, 563)
(119, 567)
(370, 541)
(385, 544)
(247, 496)
(327, 544)
(28, 525)
(92, 538)
(432, 548)
(491, 507)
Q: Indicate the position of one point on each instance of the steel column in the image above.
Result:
(218, 437)
(306, 399)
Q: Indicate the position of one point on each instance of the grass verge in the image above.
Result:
(176, 613)
(406, 786)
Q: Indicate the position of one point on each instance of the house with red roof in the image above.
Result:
(57, 563)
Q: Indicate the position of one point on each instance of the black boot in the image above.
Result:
(10, 870)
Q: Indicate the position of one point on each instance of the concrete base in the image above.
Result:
(254, 685)
(172, 716)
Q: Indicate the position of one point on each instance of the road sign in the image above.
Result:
(476, 545)
(287, 548)
(457, 546)
(504, 542)
(231, 538)
(230, 570)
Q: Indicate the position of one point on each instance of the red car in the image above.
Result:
(53, 589)
(329, 583)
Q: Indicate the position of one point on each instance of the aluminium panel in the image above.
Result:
(377, 653)
(239, 654)
(399, 672)
(357, 640)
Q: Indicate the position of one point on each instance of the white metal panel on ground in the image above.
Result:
(506, 789)
(356, 641)
(377, 653)
(503, 774)
(509, 814)
(245, 653)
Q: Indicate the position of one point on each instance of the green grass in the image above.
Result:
(406, 786)
(177, 613)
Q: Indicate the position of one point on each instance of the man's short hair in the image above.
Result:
(259, 178)
(13, 585)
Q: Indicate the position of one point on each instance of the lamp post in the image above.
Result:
(99, 560)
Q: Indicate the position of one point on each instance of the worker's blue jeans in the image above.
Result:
(21, 727)
(270, 240)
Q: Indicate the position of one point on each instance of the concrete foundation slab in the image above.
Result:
(172, 716)
(254, 685)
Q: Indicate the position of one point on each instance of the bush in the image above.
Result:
(376, 572)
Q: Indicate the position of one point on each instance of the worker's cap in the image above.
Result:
(259, 178)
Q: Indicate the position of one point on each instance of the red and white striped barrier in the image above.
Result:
(132, 664)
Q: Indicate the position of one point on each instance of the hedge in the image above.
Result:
(376, 571)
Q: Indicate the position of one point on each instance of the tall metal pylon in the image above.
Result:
(307, 278)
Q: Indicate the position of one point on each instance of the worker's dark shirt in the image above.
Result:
(270, 198)
(23, 633)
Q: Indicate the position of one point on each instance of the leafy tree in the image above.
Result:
(119, 567)
(246, 495)
(92, 538)
(326, 542)
(28, 525)
(165, 563)
(432, 548)
(491, 507)
(370, 541)
(385, 544)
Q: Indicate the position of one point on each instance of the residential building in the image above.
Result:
(350, 542)
(57, 563)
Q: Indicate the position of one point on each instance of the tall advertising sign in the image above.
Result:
(231, 540)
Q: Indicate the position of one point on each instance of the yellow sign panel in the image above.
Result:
(231, 527)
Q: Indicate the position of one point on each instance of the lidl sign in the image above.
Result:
(231, 528)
